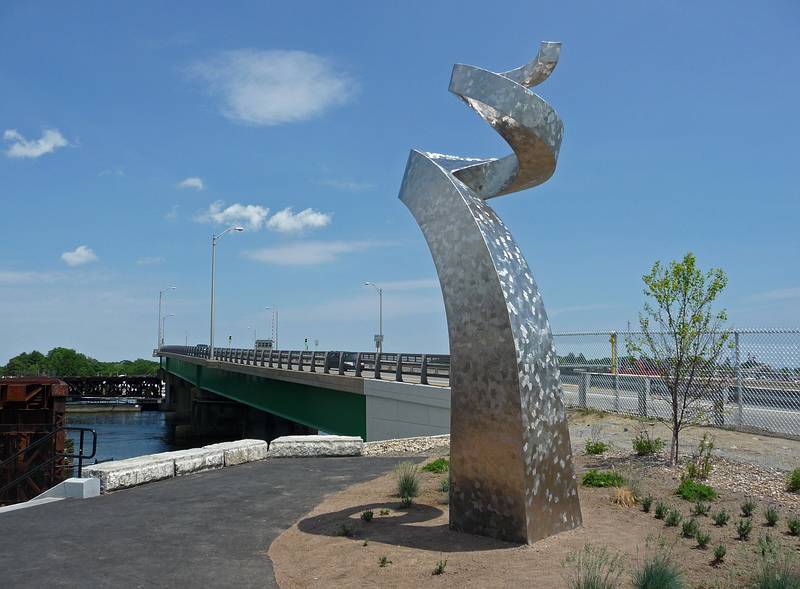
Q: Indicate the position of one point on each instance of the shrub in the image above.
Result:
(644, 445)
(703, 538)
(444, 487)
(689, 528)
(647, 502)
(701, 508)
(407, 480)
(602, 478)
(771, 515)
(439, 568)
(624, 497)
(661, 510)
(767, 546)
(719, 553)
(748, 507)
(383, 561)
(596, 447)
(344, 530)
(793, 483)
(367, 515)
(793, 523)
(780, 571)
(691, 490)
(744, 528)
(673, 518)
(658, 571)
(700, 465)
(593, 568)
(366, 543)
(438, 466)
(405, 502)
(384, 512)
(721, 518)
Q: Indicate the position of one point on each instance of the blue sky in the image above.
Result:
(131, 131)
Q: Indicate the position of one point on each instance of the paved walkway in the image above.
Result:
(211, 529)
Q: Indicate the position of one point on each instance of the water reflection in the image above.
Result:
(124, 434)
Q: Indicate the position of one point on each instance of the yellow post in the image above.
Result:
(613, 340)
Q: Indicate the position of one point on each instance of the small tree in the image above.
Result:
(682, 339)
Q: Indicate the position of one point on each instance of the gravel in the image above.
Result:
(400, 446)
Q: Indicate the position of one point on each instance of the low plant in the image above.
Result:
(776, 571)
(673, 518)
(690, 528)
(771, 515)
(744, 528)
(444, 487)
(406, 502)
(367, 515)
(691, 490)
(748, 506)
(593, 567)
(407, 479)
(719, 553)
(701, 463)
(384, 512)
(647, 502)
(439, 568)
(595, 447)
(624, 497)
(768, 546)
(701, 508)
(703, 538)
(644, 445)
(721, 518)
(365, 543)
(344, 530)
(661, 510)
(658, 571)
(602, 478)
(793, 523)
(383, 561)
(793, 481)
(438, 466)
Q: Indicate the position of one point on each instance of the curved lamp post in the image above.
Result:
(214, 240)
(379, 339)
(161, 293)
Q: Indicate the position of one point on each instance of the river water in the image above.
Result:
(123, 434)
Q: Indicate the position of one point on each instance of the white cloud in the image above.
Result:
(82, 254)
(251, 216)
(286, 221)
(172, 213)
(192, 182)
(15, 278)
(276, 86)
(346, 185)
(306, 253)
(150, 261)
(50, 140)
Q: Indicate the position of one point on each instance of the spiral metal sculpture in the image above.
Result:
(511, 473)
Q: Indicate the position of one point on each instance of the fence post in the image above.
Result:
(616, 393)
(378, 365)
(583, 388)
(738, 367)
(643, 395)
(398, 371)
(358, 364)
(423, 370)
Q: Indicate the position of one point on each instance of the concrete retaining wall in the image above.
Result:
(405, 410)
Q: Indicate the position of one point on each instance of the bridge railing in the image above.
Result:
(395, 366)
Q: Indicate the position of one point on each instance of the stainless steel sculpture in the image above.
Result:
(511, 473)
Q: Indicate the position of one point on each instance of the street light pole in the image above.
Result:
(161, 293)
(164, 325)
(379, 339)
(272, 326)
(214, 239)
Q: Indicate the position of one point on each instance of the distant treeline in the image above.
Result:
(67, 362)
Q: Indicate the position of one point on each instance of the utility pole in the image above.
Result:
(214, 239)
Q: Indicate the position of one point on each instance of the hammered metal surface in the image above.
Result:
(511, 473)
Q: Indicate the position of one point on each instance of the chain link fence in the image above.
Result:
(756, 383)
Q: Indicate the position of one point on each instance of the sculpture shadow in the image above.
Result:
(403, 527)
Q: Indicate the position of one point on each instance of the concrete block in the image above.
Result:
(121, 474)
(316, 446)
(241, 451)
(195, 460)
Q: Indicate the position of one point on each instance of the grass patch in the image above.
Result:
(593, 568)
(439, 568)
(407, 480)
(647, 502)
(444, 487)
(793, 482)
(383, 561)
(691, 490)
(344, 530)
(719, 553)
(673, 518)
(595, 447)
(748, 507)
(661, 510)
(658, 571)
(721, 518)
(703, 538)
(690, 528)
(744, 528)
(367, 515)
(602, 478)
(644, 445)
(793, 524)
(701, 508)
(771, 516)
(438, 466)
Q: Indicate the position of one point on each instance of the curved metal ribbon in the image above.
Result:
(512, 475)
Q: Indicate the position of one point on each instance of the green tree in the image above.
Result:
(682, 338)
(25, 364)
(68, 362)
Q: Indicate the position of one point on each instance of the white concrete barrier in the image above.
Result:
(195, 460)
(241, 451)
(316, 446)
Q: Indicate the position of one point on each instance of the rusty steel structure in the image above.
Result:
(31, 436)
(139, 387)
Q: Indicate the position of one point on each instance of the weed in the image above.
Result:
(700, 465)
(595, 447)
(624, 497)
(344, 530)
(647, 502)
(602, 478)
(439, 568)
(644, 445)
(793, 523)
(593, 568)
(690, 528)
(744, 528)
(384, 512)
(365, 543)
(776, 571)
(367, 515)
(383, 561)
(703, 538)
(444, 487)
(691, 490)
(673, 518)
(658, 571)
(438, 466)
(661, 510)
(719, 553)
(768, 546)
(748, 507)
(771, 515)
(793, 482)
(701, 508)
(721, 518)
(407, 480)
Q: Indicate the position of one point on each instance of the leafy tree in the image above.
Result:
(682, 338)
(68, 362)
(26, 364)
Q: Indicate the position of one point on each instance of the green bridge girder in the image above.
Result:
(328, 410)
